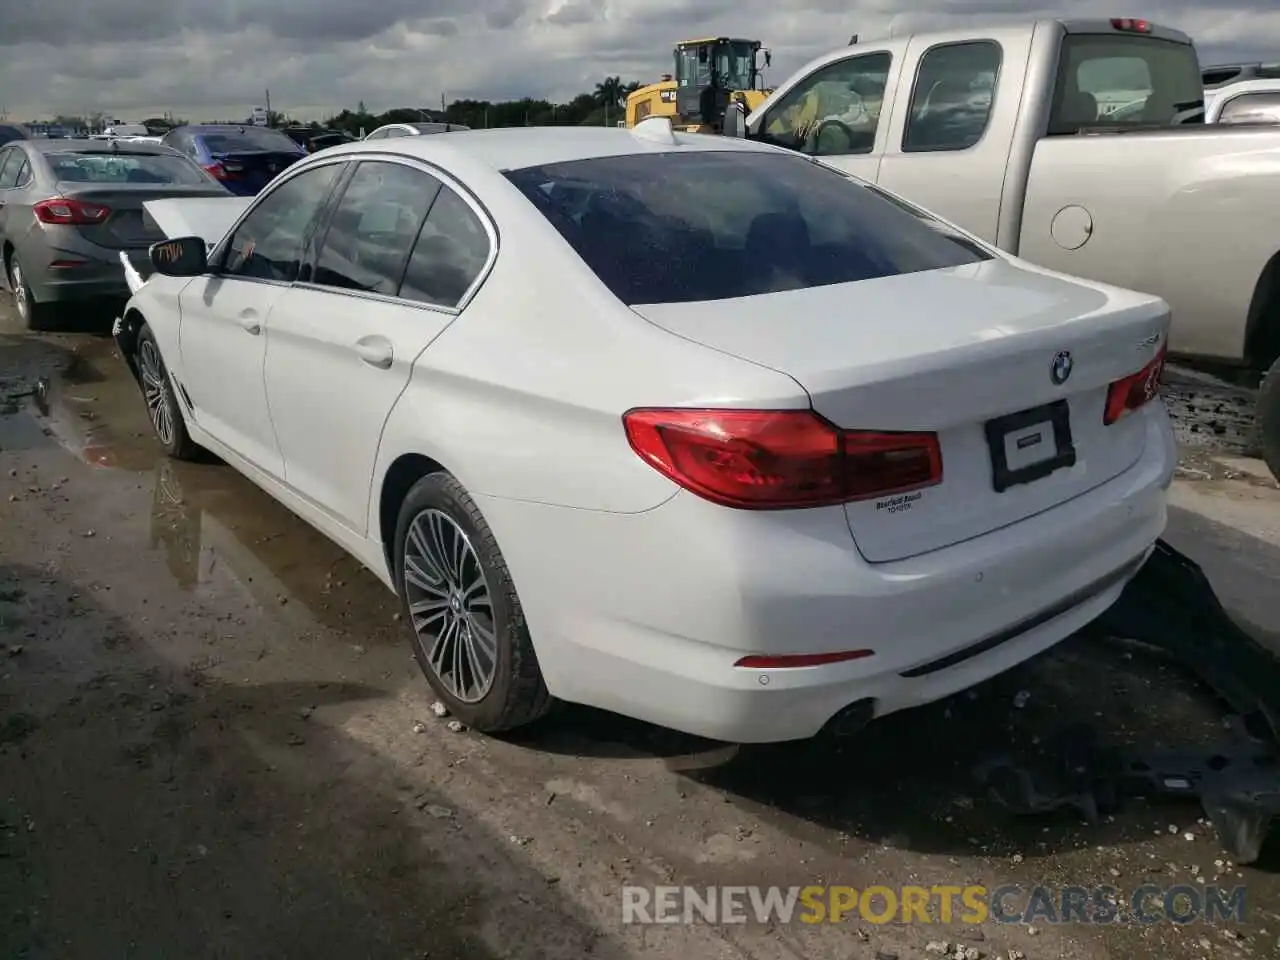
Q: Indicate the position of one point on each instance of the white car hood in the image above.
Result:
(208, 218)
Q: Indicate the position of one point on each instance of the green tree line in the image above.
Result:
(603, 106)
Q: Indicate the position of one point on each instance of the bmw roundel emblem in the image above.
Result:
(1060, 369)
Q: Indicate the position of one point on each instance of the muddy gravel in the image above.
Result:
(214, 743)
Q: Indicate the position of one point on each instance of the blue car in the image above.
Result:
(244, 158)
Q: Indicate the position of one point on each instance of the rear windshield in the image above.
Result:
(110, 167)
(247, 140)
(1107, 80)
(710, 225)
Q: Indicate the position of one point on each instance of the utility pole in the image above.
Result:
(268, 105)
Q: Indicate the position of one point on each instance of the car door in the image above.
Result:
(835, 113)
(401, 252)
(12, 160)
(949, 150)
(226, 312)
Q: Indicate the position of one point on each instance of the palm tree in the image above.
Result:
(609, 92)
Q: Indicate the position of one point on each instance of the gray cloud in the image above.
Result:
(204, 58)
(575, 13)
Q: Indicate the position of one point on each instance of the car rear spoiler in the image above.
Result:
(208, 218)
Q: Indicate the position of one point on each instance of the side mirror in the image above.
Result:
(183, 257)
(735, 120)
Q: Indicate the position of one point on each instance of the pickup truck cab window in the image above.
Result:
(951, 100)
(1113, 80)
(833, 112)
(1251, 108)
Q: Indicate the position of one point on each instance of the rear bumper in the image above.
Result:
(646, 614)
(96, 275)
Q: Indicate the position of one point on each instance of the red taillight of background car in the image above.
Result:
(60, 210)
(1134, 391)
(779, 459)
(223, 171)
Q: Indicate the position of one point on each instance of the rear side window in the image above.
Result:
(450, 253)
(1115, 80)
(951, 101)
(710, 225)
(374, 226)
(109, 167)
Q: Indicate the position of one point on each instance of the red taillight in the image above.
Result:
(63, 211)
(220, 171)
(775, 459)
(1128, 394)
(1131, 25)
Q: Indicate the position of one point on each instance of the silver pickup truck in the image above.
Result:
(1077, 145)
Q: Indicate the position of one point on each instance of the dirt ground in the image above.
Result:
(214, 743)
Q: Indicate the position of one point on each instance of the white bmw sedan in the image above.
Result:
(687, 428)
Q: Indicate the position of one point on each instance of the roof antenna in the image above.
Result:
(853, 40)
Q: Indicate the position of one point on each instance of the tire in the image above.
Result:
(1267, 418)
(512, 693)
(35, 317)
(163, 409)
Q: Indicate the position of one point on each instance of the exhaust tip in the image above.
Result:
(849, 721)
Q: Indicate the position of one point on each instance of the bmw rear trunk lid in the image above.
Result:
(1010, 368)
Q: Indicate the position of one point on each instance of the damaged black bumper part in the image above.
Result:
(1170, 609)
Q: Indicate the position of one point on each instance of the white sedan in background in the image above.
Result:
(688, 428)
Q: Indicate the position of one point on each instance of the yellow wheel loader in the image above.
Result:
(709, 75)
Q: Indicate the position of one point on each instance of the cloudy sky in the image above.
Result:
(214, 58)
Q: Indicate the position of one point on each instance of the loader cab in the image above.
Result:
(708, 71)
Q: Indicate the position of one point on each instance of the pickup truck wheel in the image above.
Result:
(469, 633)
(163, 409)
(1268, 419)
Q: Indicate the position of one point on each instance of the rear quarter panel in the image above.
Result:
(522, 396)
(1190, 216)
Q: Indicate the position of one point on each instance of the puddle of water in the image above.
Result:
(211, 523)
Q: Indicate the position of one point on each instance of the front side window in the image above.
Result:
(835, 111)
(711, 225)
(269, 242)
(952, 98)
(374, 227)
(10, 164)
(1114, 80)
(1251, 108)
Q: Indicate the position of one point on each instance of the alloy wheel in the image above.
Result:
(151, 369)
(450, 605)
(19, 290)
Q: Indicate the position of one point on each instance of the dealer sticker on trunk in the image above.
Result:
(900, 503)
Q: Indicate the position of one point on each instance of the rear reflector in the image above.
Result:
(802, 660)
(1130, 25)
(779, 459)
(1134, 391)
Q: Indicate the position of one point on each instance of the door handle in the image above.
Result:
(375, 351)
(249, 321)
